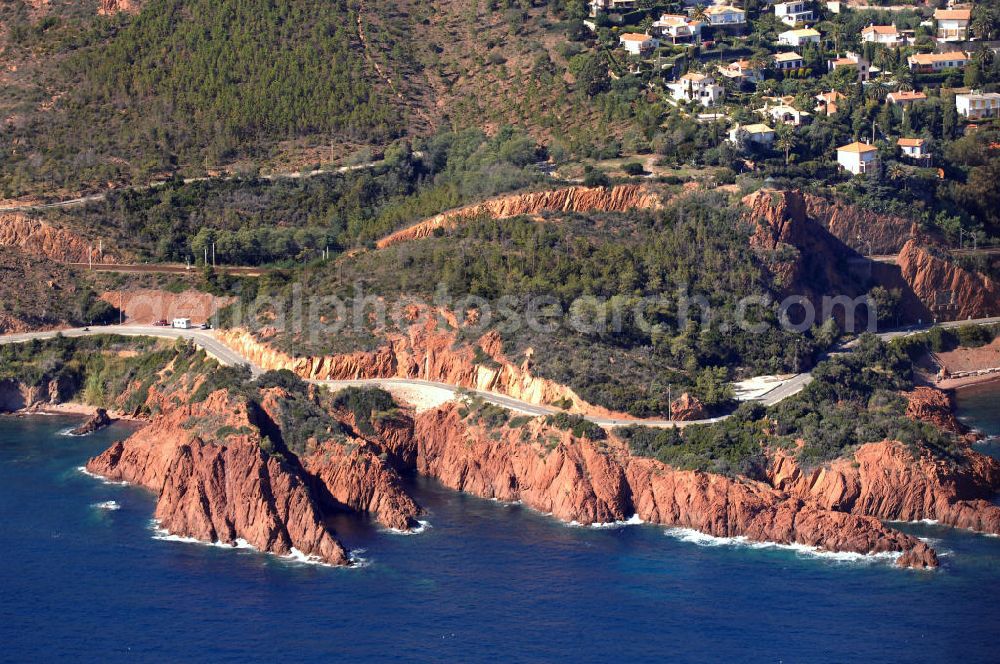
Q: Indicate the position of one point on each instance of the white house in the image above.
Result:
(741, 72)
(678, 29)
(858, 158)
(952, 24)
(785, 114)
(976, 105)
(752, 133)
(887, 35)
(637, 44)
(786, 61)
(793, 13)
(854, 61)
(932, 62)
(611, 5)
(914, 148)
(725, 15)
(701, 88)
(798, 37)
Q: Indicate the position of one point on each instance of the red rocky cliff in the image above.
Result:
(952, 292)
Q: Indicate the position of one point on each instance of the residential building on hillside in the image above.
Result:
(852, 60)
(906, 98)
(678, 29)
(786, 61)
(725, 15)
(784, 113)
(858, 158)
(793, 13)
(752, 133)
(826, 102)
(637, 43)
(914, 148)
(799, 37)
(611, 6)
(976, 105)
(741, 72)
(887, 35)
(700, 88)
(932, 62)
(952, 24)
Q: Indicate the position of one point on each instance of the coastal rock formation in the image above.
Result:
(952, 292)
(38, 238)
(423, 352)
(222, 487)
(934, 407)
(99, 420)
(589, 482)
(573, 199)
(887, 481)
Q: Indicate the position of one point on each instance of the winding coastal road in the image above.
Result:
(207, 340)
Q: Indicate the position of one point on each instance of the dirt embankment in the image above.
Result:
(572, 199)
(38, 238)
(108, 7)
(150, 305)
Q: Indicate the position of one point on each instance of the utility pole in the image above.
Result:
(206, 256)
(213, 255)
(90, 256)
(670, 405)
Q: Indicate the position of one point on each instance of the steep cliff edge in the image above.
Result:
(600, 482)
(573, 199)
(950, 291)
(38, 238)
(222, 487)
(863, 230)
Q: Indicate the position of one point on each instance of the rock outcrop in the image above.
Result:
(99, 420)
(888, 481)
(934, 407)
(588, 482)
(950, 291)
(687, 408)
(573, 199)
(38, 238)
(222, 487)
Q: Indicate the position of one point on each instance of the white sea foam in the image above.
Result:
(296, 556)
(109, 505)
(104, 480)
(423, 525)
(68, 432)
(702, 539)
(633, 520)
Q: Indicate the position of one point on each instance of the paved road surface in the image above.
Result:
(206, 339)
(169, 268)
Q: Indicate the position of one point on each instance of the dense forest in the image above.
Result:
(254, 221)
(190, 85)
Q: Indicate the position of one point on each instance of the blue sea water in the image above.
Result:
(487, 582)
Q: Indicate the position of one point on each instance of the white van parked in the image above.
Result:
(182, 323)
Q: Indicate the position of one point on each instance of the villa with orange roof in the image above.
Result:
(826, 102)
(906, 98)
(952, 24)
(678, 29)
(858, 158)
(932, 62)
(637, 43)
(914, 148)
(887, 35)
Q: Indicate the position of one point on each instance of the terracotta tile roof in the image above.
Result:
(952, 14)
(880, 29)
(931, 58)
(906, 96)
(787, 57)
(860, 148)
(910, 142)
(635, 36)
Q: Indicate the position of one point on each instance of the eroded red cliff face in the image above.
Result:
(572, 199)
(37, 238)
(225, 490)
(425, 352)
(588, 482)
(950, 291)
(863, 230)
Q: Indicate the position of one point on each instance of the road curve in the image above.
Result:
(207, 340)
